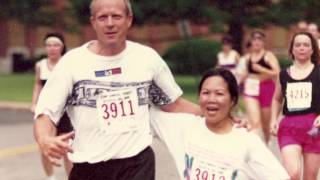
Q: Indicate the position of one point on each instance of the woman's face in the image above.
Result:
(53, 49)
(302, 48)
(215, 100)
(257, 42)
(226, 47)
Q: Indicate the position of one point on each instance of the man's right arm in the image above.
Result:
(43, 127)
(52, 146)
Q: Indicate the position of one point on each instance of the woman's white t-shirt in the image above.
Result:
(201, 154)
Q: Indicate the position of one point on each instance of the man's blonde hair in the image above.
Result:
(126, 2)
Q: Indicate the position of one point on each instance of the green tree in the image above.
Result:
(242, 13)
(81, 10)
(170, 11)
(31, 13)
(234, 14)
(287, 12)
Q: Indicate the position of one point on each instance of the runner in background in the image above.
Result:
(55, 47)
(241, 69)
(302, 26)
(262, 69)
(314, 30)
(228, 58)
(211, 147)
(299, 87)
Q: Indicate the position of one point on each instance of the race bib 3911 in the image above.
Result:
(117, 111)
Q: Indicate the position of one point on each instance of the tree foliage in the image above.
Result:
(170, 11)
(31, 12)
(156, 11)
(287, 12)
(81, 10)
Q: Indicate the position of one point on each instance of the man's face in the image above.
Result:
(111, 22)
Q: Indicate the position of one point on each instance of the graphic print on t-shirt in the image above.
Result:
(86, 92)
(208, 164)
(188, 166)
(299, 96)
(108, 72)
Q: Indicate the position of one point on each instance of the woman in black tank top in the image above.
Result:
(261, 62)
(262, 68)
(298, 95)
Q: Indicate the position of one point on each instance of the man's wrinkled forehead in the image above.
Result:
(126, 3)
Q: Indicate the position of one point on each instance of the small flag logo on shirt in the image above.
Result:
(108, 72)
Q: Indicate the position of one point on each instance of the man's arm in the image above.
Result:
(182, 105)
(52, 146)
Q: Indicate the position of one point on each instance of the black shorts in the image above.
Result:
(139, 167)
(64, 125)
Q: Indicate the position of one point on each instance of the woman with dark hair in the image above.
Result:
(299, 87)
(259, 85)
(228, 58)
(55, 47)
(211, 147)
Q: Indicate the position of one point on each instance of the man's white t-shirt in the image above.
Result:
(201, 154)
(108, 99)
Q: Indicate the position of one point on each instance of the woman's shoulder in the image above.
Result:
(234, 52)
(41, 62)
(245, 135)
(269, 55)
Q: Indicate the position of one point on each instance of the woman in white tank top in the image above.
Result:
(55, 48)
(228, 58)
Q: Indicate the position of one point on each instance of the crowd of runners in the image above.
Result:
(99, 105)
(268, 90)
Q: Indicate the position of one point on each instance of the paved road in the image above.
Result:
(19, 157)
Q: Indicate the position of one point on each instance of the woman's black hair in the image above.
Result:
(227, 40)
(257, 33)
(59, 36)
(229, 79)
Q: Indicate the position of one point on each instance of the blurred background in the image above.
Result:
(186, 33)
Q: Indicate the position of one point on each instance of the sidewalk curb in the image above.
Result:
(9, 105)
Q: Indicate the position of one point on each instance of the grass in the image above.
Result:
(18, 87)
(189, 85)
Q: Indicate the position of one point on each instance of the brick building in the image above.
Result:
(21, 41)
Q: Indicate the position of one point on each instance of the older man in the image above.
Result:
(106, 86)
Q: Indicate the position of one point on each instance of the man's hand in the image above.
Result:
(55, 147)
(241, 122)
